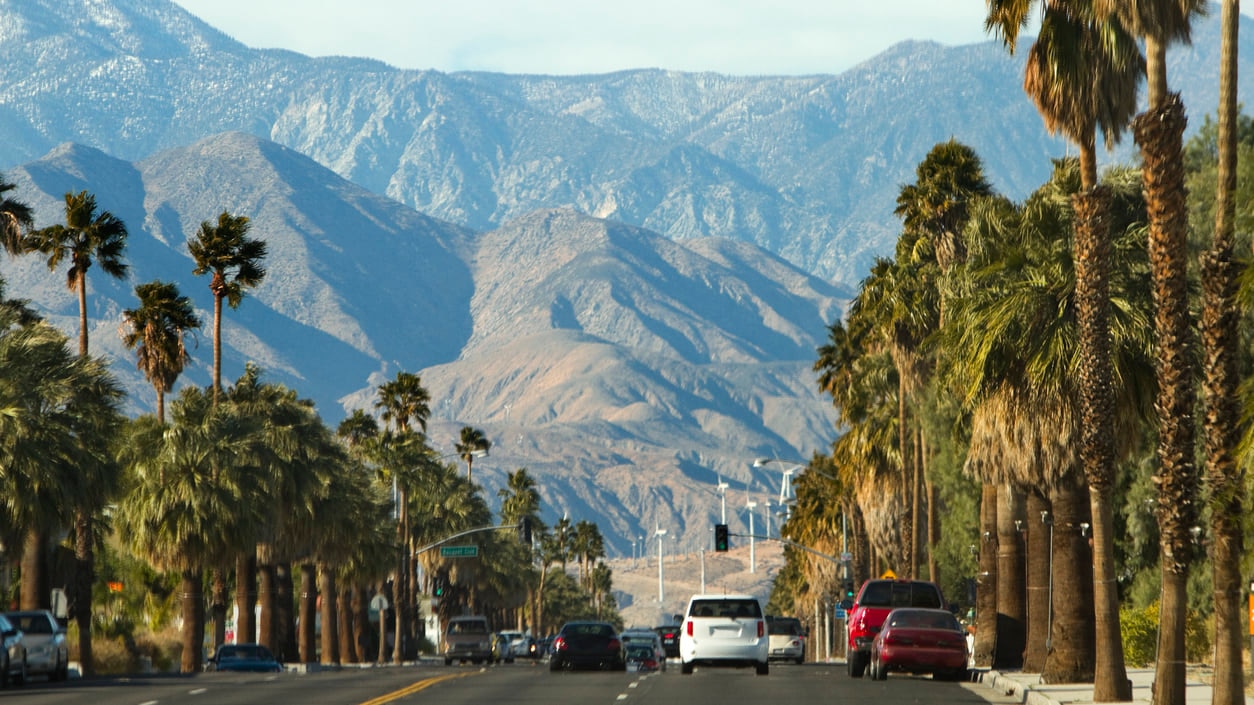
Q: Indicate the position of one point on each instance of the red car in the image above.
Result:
(875, 600)
(920, 641)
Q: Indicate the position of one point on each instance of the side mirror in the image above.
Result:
(846, 605)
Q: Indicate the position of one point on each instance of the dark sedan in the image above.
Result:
(249, 658)
(916, 640)
(587, 645)
(670, 639)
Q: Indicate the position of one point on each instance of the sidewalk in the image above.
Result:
(1030, 691)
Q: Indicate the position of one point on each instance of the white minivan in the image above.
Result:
(724, 630)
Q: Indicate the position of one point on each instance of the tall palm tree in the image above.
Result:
(14, 217)
(191, 498)
(401, 402)
(1225, 478)
(86, 238)
(156, 331)
(1082, 72)
(472, 443)
(234, 259)
(1159, 132)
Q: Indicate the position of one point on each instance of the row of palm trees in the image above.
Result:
(1049, 343)
(244, 484)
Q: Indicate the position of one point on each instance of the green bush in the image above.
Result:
(1140, 636)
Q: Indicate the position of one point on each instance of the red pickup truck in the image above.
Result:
(875, 600)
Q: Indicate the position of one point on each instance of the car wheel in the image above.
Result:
(448, 662)
(857, 664)
(685, 668)
(801, 660)
(555, 665)
(880, 672)
(764, 668)
(22, 676)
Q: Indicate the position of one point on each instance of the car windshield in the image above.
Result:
(32, 624)
(468, 627)
(736, 608)
(245, 653)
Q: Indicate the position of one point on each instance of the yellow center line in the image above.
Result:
(420, 685)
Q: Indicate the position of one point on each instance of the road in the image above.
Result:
(521, 683)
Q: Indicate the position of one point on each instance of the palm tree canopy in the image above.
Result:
(234, 258)
(157, 330)
(85, 236)
(14, 217)
(404, 401)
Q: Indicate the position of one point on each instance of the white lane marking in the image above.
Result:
(150, 702)
(622, 696)
(198, 691)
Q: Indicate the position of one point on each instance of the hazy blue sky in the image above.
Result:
(594, 36)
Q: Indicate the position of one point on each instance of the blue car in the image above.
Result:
(247, 658)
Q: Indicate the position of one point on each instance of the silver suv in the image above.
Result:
(724, 630)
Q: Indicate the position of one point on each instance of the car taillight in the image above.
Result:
(615, 645)
(559, 644)
(688, 626)
(761, 628)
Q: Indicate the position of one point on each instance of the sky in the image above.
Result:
(739, 37)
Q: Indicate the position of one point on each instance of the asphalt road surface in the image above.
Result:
(520, 683)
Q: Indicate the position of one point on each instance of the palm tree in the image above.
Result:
(1159, 132)
(235, 261)
(156, 332)
(473, 443)
(14, 216)
(1082, 74)
(191, 499)
(1225, 478)
(86, 238)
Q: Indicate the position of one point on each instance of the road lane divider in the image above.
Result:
(420, 685)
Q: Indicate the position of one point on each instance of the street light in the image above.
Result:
(661, 592)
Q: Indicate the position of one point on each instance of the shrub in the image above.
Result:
(1140, 636)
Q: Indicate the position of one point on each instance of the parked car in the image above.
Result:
(468, 639)
(920, 641)
(724, 630)
(787, 639)
(12, 654)
(648, 638)
(670, 639)
(47, 652)
(247, 658)
(875, 600)
(587, 645)
(500, 649)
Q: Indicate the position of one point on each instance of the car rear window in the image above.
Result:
(887, 593)
(923, 620)
(737, 608)
(785, 627)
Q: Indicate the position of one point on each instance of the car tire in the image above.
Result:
(879, 672)
(685, 668)
(554, 665)
(857, 664)
(764, 668)
(448, 662)
(801, 660)
(23, 677)
(61, 672)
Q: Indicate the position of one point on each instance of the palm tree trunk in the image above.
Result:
(1224, 476)
(193, 629)
(400, 584)
(160, 405)
(84, 576)
(246, 597)
(35, 586)
(1011, 605)
(330, 612)
(308, 645)
(267, 628)
(217, 608)
(933, 515)
(361, 622)
(344, 624)
(81, 286)
(1038, 553)
(217, 345)
(985, 646)
(286, 603)
(383, 626)
(1071, 649)
(1097, 453)
(1159, 133)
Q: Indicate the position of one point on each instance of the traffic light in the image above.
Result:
(524, 531)
(437, 586)
(847, 590)
(721, 537)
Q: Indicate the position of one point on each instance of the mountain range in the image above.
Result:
(621, 278)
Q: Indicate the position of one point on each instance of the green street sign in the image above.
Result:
(459, 551)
